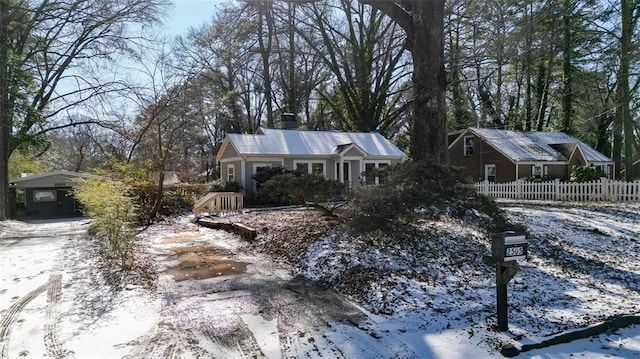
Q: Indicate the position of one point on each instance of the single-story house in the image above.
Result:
(504, 156)
(344, 156)
(45, 195)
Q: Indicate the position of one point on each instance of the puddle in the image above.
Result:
(203, 262)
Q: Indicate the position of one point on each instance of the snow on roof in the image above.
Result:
(305, 143)
(535, 146)
(518, 147)
(554, 138)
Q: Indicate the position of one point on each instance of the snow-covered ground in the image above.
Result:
(583, 268)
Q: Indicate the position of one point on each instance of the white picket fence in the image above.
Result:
(601, 190)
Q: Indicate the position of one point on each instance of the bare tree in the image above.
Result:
(423, 23)
(363, 49)
(57, 51)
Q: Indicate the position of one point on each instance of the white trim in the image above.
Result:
(562, 163)
(231, 166)
(231, 159)
(341, 163)
(263, 159)
(464, 146)
(311, 162)
(363, 169)
(486, 172)
(243, 173)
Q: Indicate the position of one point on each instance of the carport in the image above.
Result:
(45, 195)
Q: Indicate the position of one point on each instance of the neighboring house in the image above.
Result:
(344, 156)
(45, 195)
(503, 156)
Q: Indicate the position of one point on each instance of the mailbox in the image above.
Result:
(509, 246)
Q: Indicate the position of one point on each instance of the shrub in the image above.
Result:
(112, 212)
(409, 188)
(298, 188)
(535, 179)
(225, 186)
(266, 173)
(586, 173)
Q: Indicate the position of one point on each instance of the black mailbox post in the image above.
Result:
(506, 249)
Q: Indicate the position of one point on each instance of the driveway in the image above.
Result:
(220, 301)
(213, 300)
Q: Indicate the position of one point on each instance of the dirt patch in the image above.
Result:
(203, 262)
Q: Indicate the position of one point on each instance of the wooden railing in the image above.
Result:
(219, 203)
(601, 190)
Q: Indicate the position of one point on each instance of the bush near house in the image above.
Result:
(586, 173)
(225, 186)
(415, 189)
(176, 199)
(112, 213)
(279, 185)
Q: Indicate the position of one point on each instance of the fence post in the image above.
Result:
(557, 189)
(604, 188)
(519, 189)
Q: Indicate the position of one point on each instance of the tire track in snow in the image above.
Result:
(12, 315)
(52, 342)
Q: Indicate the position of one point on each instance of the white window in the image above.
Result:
(468, 145)
(490, 173)
(231, 173)
(539, 170)
(370, 177)
(536, 171)
(310, 167)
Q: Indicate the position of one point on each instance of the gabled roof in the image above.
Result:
(537, 146)
(54, 179)
(310, 143)
(557, 138)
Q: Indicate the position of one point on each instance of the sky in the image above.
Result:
(189, 13)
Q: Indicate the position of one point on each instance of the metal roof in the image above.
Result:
(535, 146)
(311, 143)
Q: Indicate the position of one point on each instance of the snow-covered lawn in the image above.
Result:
(427, 295)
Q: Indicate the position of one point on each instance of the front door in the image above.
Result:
(346, 170)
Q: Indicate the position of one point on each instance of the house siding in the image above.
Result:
(352, 153)
(557, 171)
(516, 146)
(553, 170)
(473, 166)
(229, 152)
(236, 171)
(576, 160)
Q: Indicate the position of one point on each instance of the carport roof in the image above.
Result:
(51, 179)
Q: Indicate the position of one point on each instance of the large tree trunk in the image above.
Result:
(623, 82)
(5, 113)
(423, 22)
(429, 130)
(265, 17)
(567, 95)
